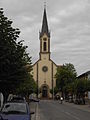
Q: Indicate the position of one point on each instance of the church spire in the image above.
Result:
(44, 24)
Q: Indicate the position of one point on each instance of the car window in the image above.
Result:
(17, 99)
(15, 108)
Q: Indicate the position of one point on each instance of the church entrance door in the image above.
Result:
(44, 92)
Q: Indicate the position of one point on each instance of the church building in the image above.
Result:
(44, 69)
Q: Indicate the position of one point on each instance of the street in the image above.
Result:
(53, 110)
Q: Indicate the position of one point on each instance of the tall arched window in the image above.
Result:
(44, 46)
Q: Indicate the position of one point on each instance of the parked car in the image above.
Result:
(1, 100)
(79, 101)
(16, 111)
(16, 98)
(33, 98)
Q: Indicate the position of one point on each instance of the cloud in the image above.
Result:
(72, 9)
(69, 21)
(54, 20)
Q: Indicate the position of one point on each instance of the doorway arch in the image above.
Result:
(44, 91)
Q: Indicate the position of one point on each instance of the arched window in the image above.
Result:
(44, 46)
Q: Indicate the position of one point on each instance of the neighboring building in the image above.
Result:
(85, 75)
(44, 69)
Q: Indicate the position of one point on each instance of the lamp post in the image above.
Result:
(53, 90)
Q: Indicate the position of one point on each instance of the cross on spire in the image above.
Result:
(44, 4)
(45, 23)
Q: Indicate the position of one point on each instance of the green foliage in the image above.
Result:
(69, 88)
(56, 90)
(88, 85)
(13, 57)
(65, 74)
(80, 86)
(27, 87)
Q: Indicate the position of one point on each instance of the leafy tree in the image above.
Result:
(13, 56)
(27, 87)
(56, 90)
(65, 74)
(69, 88)
(80, 86)
(88, 85)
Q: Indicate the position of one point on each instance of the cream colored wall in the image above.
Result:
(45, 36)
(54, 72)
(45, 77)
(45, 57)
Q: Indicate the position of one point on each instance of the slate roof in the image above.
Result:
(44, 28)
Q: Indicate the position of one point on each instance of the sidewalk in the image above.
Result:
(85, 107)
(34, 108)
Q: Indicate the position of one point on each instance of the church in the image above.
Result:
(44, 69)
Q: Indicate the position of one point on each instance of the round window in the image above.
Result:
(44, 68)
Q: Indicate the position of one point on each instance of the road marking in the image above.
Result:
(37, 116)
(72, 115)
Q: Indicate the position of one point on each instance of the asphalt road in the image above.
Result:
(52, 110)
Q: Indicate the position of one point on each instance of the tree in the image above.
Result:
(13, 57)
(88, 85)
(56, 90)
(65, 74)
(27, 87)
(80, 87)
(69, 88)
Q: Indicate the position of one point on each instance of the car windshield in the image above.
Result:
(14, 108)
(18, 99)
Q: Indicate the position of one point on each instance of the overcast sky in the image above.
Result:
(69, 23)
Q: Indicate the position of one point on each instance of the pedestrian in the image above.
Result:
(61, 99)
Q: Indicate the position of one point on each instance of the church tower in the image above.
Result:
(44, 69)
(44, 37)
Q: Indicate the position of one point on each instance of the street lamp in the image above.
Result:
(53, 92)
(53, 89)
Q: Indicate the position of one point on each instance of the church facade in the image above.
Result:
(44, 69)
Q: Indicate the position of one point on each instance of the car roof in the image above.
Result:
(17, 99)
(15, 102)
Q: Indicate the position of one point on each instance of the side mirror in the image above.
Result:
(32, 112)
(7, 106)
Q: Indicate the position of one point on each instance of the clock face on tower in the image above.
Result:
(44, 68)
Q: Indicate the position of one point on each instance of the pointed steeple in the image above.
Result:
(45, 25)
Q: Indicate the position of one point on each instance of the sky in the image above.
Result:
(69, 24)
